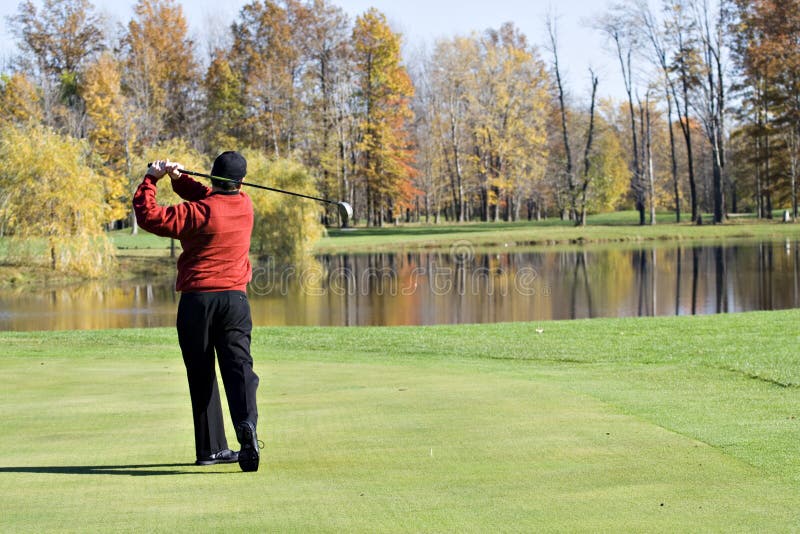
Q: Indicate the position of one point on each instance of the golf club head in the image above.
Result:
(345, 213)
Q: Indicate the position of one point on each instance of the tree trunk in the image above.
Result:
(673, 161)
(568, 171)
(650, 172)
(580, 216)
(639, 161)
(687, 137)
(134, 224)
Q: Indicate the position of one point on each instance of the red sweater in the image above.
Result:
(213, 227)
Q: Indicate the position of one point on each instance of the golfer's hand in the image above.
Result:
(157, 169)
(173, 169)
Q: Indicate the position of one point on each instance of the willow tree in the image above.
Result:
(285, 228)
(52, 207)
(384, 93)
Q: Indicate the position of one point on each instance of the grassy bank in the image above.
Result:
(145, 255)
(608, 228)
(665, 424)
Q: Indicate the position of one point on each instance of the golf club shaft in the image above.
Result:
(194, 173)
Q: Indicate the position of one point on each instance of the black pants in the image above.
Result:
(209, 322)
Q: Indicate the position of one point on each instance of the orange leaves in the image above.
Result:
(160, 67)
(385, 93)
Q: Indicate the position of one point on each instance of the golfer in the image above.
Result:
(214, 227)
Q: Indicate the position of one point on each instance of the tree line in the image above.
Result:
(478, 127)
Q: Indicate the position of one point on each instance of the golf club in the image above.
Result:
(345, 209)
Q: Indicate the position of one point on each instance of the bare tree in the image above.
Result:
(552, 31)
(712, 103)
(654, 33)
(616, 25)
(680, 30)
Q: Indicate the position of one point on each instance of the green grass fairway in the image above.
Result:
(644, 425)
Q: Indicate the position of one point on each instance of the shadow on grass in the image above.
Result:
(126, 470)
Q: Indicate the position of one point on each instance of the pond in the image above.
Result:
(455, 286)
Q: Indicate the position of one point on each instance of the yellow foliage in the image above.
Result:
(110, 131)
(610, 174)
(286, 227)
(177, 150)
(20, 101)
(386, 151)
(49, 195)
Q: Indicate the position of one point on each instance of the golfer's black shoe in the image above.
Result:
(226, 456)
(248, 456)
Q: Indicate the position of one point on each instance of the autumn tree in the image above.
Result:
(20, 99)
(447, 110)
(384, 92)
(577, 186)
(609, 171)
(509, 110)
(681, 35)
(160, 70)
(432, 171)
(264, 55)
(713, 95)
(766, 51)
(110, 131)
(56, 41)
(327, 91)
(224, 105)
(653, 31)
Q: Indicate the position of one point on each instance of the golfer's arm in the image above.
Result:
(189, 189)
(169, 221)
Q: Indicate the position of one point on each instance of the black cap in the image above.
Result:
(230, 165)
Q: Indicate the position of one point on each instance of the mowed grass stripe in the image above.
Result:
(361, 446)
(762, 345)
(755, 421)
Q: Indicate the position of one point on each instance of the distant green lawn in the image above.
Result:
(610, 228)
(618, 227)
(616, 425)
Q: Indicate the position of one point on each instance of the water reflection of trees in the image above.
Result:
(580, 283)
(90, 305)
(438, 287)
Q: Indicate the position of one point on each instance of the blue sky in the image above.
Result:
(423, 21)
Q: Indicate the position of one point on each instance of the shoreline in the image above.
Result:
(146, 255)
